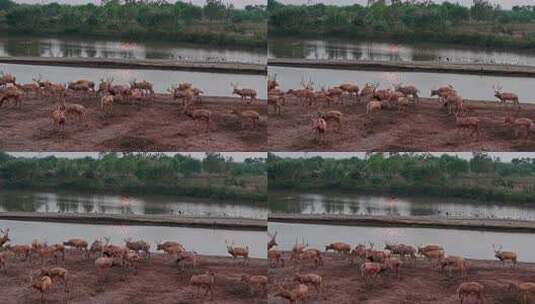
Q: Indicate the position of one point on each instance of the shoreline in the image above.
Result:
(141, 220)
(145, 64)
(457, 223)
(431, 67)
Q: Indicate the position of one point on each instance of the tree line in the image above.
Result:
(481, 177)
(214, 176)
(481, 24)
(214, 23)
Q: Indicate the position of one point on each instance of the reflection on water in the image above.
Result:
(28, 201)
(354, 204)
(88, 48)
(469, 86)
(470, 244)
(214, 84)
(382, 51)
(204, 241)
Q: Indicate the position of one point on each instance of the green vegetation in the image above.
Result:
(423, 21)
(480, 178)
(214, 23)
(213, 177)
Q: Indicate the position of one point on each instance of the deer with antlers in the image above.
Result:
(144, 86)
(11, 93)
(504, 97)
(4, 237)
(272, 240)
(6, 79)
(504, 256)
(236, 252)
(246, 95)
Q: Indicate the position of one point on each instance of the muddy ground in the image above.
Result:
(419, 283)
(426, 126)
(157, 281)
(155, 124)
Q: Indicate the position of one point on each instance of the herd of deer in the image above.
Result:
(107, 256)
(372, 263)
(399, 97)
(184, 93)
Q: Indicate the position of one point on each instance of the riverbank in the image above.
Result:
(145, 64)
(420, 282)
(143, 220)
(156, 281)
(439, 222)
(415, 66)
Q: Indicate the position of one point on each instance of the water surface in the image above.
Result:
(374, 205)
(72, 202)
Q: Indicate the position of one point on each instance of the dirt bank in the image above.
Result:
(437, 67)
(146, 220)
(424, 127)
(147, 64)
(157, 281)
(155, 124)
(503, 225)
(419, 283)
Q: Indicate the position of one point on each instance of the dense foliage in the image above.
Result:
(481, 24)
(481, 177)
(214, 23)
(214, 176)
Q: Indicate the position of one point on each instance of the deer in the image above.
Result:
(20, 251)
(236, 252)
(442, 91)
(138, 246)
(200, 115)
(339, 247)
(409, 90)
(351, 89)
(255, 282)
(97, 247)
(373, 106)
(248, 115)
(368, 90)
(453, 262)
(104, 264)
(310, 255)
(106, 103)
(59, 119)
(319, 126)
(244, 93)
(276, 102)
(204, 281)
(309, 278)
(187, 257)
(4, 256)
(272, 83)
(275, 258)
(83, 86)
(272, 240)
(6, 79)
(183, 92)
(468, 123)
(519, 125)
(525, 290)
(402, 250)
(4, 237)
(467, 289)
(299, 293)
(504, 97)
(371, 269)
(41, 284)
(334, 116)
(504, 256)
(28, 88)
(73, 109)
(45, 252)
(11, 93)
(104, 86)
(79, 244)
(394, 264)
(144, 86)
(56, 274)
(170, 247)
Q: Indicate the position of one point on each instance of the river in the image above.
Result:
(24, 46)
(71, 202)
(374, 205)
